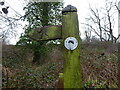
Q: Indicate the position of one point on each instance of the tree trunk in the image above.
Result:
(45, 19)
(36, 57)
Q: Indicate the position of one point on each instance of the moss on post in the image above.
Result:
(46, 33)
(72, 66)
(69, 28)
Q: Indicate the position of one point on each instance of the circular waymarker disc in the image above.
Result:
(71, 43)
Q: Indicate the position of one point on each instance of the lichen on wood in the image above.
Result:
(46, 33)
(72, 66)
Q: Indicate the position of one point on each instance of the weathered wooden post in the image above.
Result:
(119, 19)
(69, 32)
(70, 35)
(119, 45)
(0, 64)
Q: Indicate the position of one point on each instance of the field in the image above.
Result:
(99, 62)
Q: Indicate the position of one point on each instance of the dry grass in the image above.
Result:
(103, 69)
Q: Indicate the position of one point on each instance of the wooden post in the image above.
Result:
(0, 64)
(69, 32)
(119, 19)
(119, 45)
(72, 66)
(60, 85)
(46, 33)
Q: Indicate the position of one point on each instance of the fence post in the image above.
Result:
(71, 38)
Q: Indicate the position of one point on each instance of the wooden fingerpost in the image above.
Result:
(71, 38)
(69, 32)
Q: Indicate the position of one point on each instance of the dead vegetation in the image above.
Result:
(97, 72)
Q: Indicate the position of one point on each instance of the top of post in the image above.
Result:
(69, 8)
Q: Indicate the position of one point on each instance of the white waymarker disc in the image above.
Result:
(71, 43)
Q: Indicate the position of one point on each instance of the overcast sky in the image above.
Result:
(81, 5)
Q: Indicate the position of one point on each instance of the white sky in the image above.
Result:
(81, 5)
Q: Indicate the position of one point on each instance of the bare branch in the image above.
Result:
(101, 21)
(117, 8)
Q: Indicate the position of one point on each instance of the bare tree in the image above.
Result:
(88, 35)
(8, 24)
(101, 21)
(117, 7)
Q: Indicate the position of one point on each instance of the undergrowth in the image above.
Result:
(97, 72)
